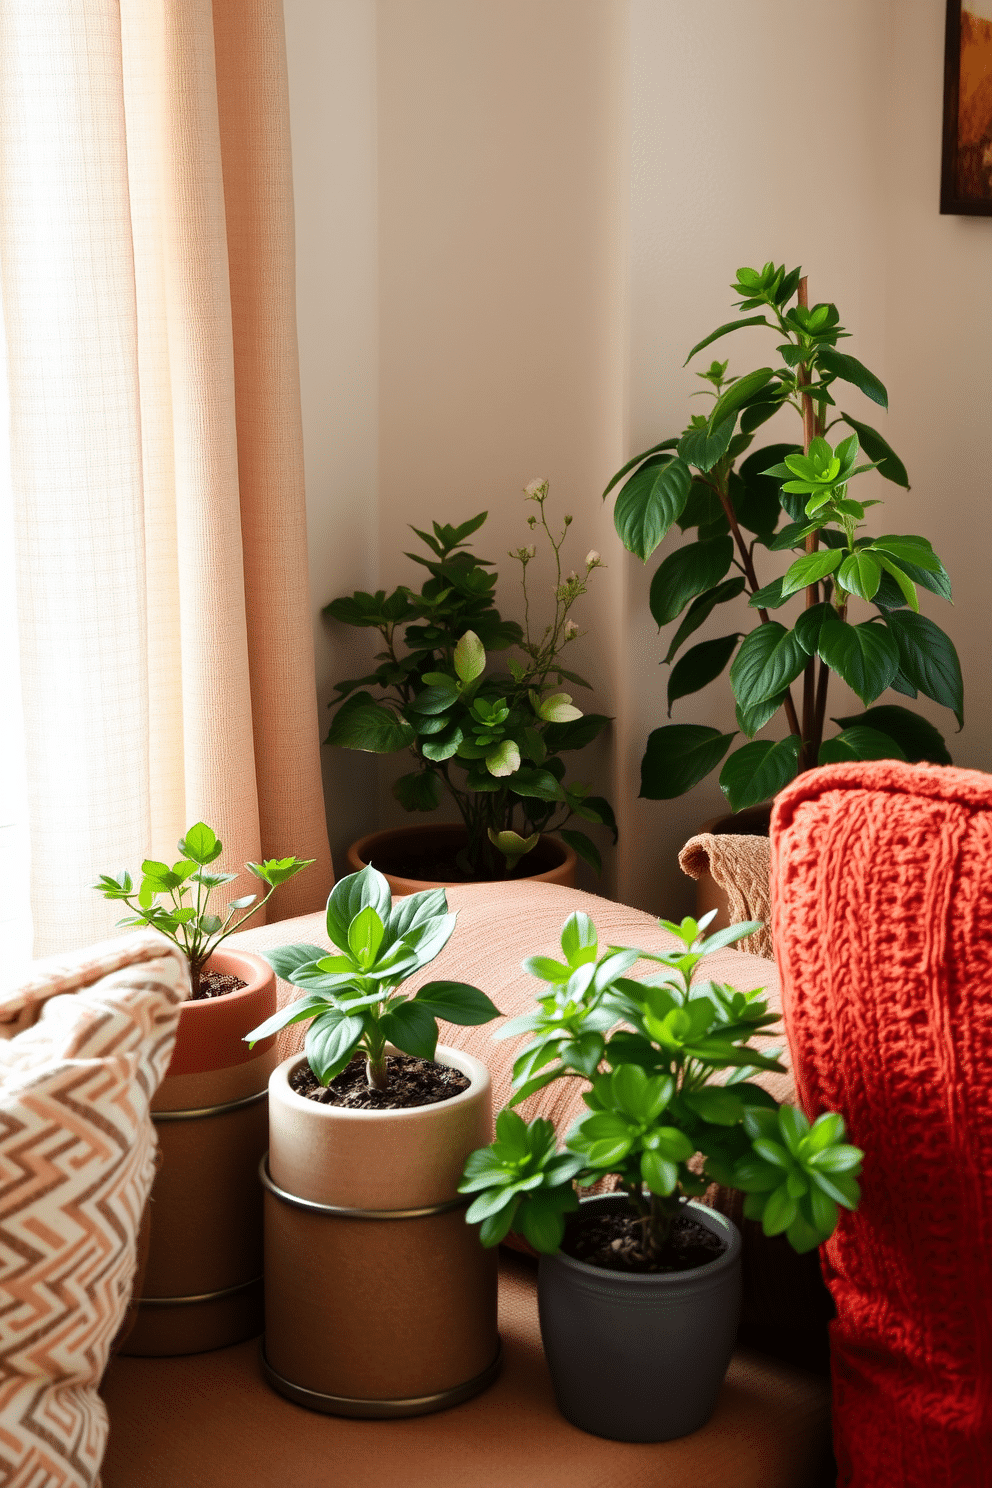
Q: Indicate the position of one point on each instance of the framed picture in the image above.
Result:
(966, 172)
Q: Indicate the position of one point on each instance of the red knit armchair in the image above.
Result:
(882, 923)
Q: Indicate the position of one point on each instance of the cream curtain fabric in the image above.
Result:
(146, 237)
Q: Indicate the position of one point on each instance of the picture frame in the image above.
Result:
(966, 165)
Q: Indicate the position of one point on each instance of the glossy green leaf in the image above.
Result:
(700, 666)
(686, 573)
(865, 656)
(362, 723)
(701, 608)
(419, 791)
(876, 448)
(858, 743)
(650, 502)
(330, 1043)
(703, 448)
(412, 1027)
(811, 569)
(758, 771)
(860, 574)
(916, 738)
(584, 846)
(457, 1002)
(677, 757)
(666, 444)
(851, 370)
(724, 330)
(926, 656)
(768, 660)
(738, 393)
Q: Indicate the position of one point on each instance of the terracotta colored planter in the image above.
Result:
(202, 1286)
(752, 822)
(557, 858)
(379, 1299)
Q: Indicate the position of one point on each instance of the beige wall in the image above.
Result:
(563, 190)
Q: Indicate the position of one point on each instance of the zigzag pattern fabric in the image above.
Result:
(77, 1159)
(882, 923)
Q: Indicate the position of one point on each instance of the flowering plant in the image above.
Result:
(492, 740)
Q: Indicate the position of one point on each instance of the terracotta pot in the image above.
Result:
(556, 859)
(753, 821)
(202, 1286)
(379, 1299)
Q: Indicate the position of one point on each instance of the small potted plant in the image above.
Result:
(378, 1301)
(489, 741)
(203, 1283)
(785, 498)
(639, 1290)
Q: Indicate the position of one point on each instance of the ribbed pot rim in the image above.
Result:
(657, 1279)
(478, 1074)
(240, 962)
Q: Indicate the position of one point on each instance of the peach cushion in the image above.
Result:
(77, 1159)
(186, 1423)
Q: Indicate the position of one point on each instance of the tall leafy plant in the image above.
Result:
(795, 498)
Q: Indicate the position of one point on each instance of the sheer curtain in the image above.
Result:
(157, 516)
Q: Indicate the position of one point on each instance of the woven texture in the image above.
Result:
(77, 1159)
(882, 920)
(738, 866)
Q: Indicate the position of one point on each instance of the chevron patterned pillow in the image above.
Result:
(76, 1165)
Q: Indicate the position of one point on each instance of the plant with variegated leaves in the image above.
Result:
(785, 498)
(490, 740)
(353, 996)
(648, 1050)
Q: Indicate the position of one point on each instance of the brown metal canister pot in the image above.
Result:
(552, 859)
(202, 1286)
(379, 1299)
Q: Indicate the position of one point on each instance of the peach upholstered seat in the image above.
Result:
(209, 1421)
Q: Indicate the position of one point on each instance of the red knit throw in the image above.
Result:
(882, 923)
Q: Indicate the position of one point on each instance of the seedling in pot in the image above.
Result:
(196, 932)
(353, 997)
(653, 1106)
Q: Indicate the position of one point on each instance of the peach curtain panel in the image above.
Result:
(146, 234)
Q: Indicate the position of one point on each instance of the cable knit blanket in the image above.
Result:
(882, 922)
(738, 866)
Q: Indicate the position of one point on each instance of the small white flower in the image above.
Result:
(535, 489)
(531, 551)
(593, 560)
(571, 630)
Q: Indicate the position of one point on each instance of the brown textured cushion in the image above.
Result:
(76, 1166)
(187, 1423)
(739, 865)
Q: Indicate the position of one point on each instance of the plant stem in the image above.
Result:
(810, 748)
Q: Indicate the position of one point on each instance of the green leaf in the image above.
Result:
(469, 657)
(758, 771)
(584, 846)
(365, 936)
(503, 760)
(677, 757)
(457, 1002)
(434, 699)
(650, 502)
(926, 656)
(576, 734)
(768, 660)
(666, 444)
(902, 581)
(700, 666)
(687, 572)
(362, 723)
(704, 448)
(755, 500)
(915, 737)
(419, 791)
(411, 1027)
(865, 656)
(860, 574)
(809, 624)
(349, 897)
(810, 570)
(330, 1041)
(717, 1104)
(738, 393)
(851, 370)
(701, 608)
(286, 959)
(875, 447)
(660, 1175)
(858, 744)
(724, 330)
(770, 597)
(200, 844)
(538, 785)
(751, 720)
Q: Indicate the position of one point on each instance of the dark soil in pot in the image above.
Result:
(412, 1082)
(217, 984)
(614, 1241)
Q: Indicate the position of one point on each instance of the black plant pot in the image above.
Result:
(640, 1357)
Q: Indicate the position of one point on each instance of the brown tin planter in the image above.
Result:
(202, 1287)
(379, 1299)
(554, 858)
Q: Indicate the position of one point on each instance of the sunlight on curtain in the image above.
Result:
(15, 850)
